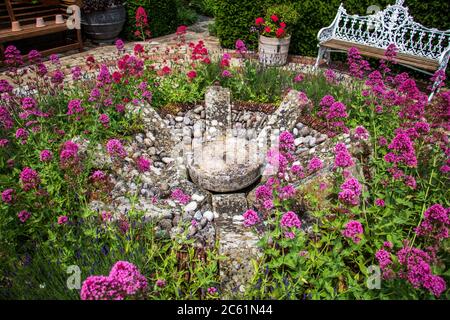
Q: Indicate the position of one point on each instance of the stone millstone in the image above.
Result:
(225, 165)
(236, 242)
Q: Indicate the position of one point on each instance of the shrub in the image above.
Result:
(162, 18)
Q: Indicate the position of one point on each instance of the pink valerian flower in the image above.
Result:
(286, 141)
(54, 58)
(6, 120)
(180, 196)
(382, 141)
(181, 30)
(379, 202)
(115, 148)
(68, 155)
(104, 120)
(357, 65)
(57, 77)
(353, 230)
(268, 204)
(161, 283)
(22, 135)
(28, 104)
(438, 78)
(46, 155)
(23, 216)
(290, 220)
(143, 164)
(3, 143)
(62, 220)
(445, 168)
(226, 74)
(74, 107)
(410, 182)
(263, 193)
(287, 192)
(277, 160)
(98, 176)
(417, 270)
(13, 57)
(240, 46)
(212, 290)
(131, 65)
(330, 76)
(435, 223)
(343, 158)
(104, 76)
(7, 195)
(250, 218)
(106, 216)
(5, 87)
(403, 151)
(34, 56)
(298, 78)
(29, 179)
(297, 170)
(384, 258)
(361, 133)
(124, 280)
(350, 192)
(120, 45)
(315, 164)
(76, 73)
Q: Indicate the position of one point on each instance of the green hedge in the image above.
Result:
(235, 17)
(162, 16)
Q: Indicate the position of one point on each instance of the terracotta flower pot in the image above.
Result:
(273, 51)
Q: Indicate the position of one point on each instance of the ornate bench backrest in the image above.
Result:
(391, 25)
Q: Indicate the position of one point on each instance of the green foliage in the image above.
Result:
(205, 7)
(312, 16)
(162, 17)
(186, 13)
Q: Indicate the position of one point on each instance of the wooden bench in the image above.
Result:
(26, 12)
(419, 48)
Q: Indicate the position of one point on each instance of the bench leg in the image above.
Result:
(80, 40)
(319, 56)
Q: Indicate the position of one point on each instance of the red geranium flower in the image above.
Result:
(280, 32)
(274, 18)
(259, 21)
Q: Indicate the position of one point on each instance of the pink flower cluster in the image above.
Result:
(417, 270)
(290, 221)
(23, 216)
(361, 133)
(68, 155)
(350, 192)
(402, 151)
(143, 164)
(435, 223)
(7, 195)
(74, 107)
(343, 158)
(357, 65)
(250, 218)
(353, 230)
(46, 155)
(29, 178)
(123, 281)
(115, 148)
(180, 196)
(315, 164)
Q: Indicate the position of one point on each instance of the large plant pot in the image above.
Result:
(273, 51)
(104, 26)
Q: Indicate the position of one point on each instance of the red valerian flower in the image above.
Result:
(138, 48)
(141, 17)
(181, 30)
(116, 76)
(259, 21)
(274, 18)
(191, 74)
(283, 25)
(166, 70)
(267, 29)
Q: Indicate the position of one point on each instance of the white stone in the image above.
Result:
(191, 206)
(197, 197)
(208, 215)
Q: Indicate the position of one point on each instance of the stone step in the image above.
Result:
(236, 242)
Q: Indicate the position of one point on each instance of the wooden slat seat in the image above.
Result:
(402, 58)
(26, 13)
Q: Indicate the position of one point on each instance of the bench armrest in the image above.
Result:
(326, 33)
(443, 59)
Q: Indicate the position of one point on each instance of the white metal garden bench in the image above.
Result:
(419, 48)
